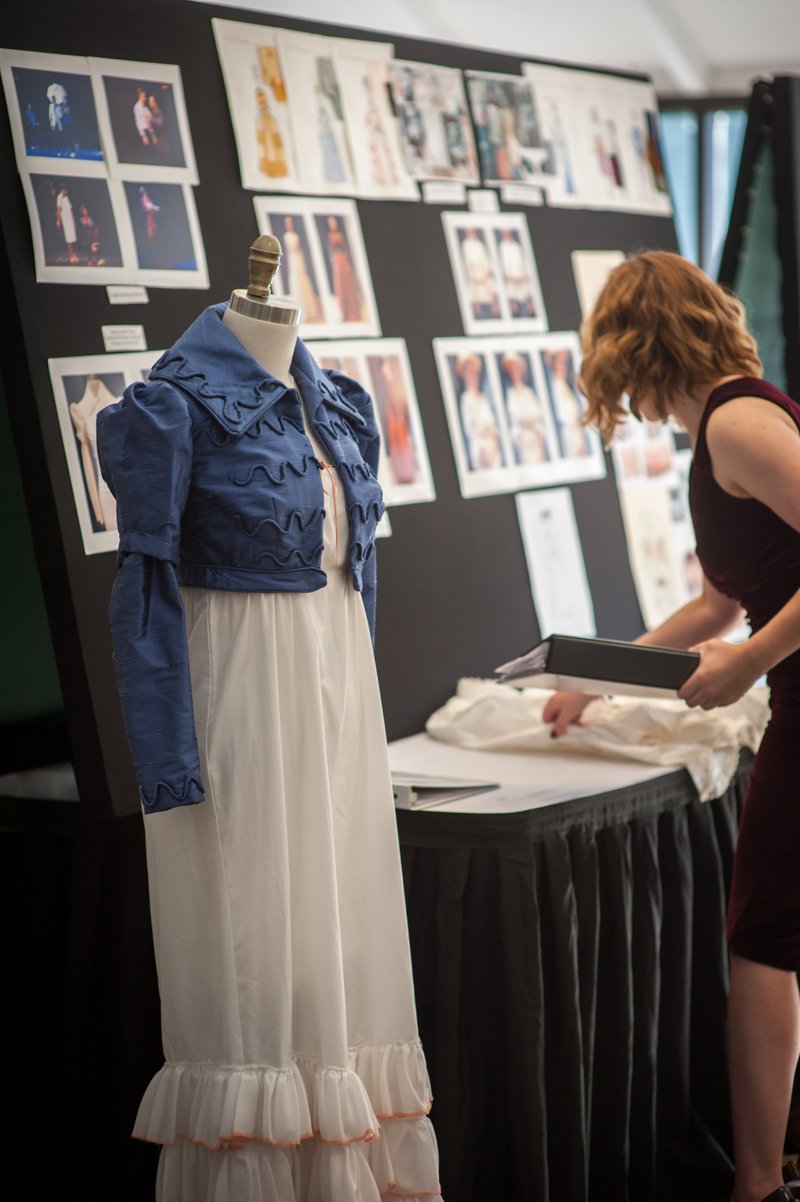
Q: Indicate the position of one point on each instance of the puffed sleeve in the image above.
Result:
(369, 444)
(145, 452)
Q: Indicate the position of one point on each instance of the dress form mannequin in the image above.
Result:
(266, 325)
(293, 1068)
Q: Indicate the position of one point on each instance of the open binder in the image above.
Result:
(565, 661)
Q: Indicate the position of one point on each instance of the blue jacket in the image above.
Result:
(217, 486)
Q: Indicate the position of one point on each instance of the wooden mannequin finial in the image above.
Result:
(263, 262)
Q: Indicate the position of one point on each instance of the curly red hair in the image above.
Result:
(659, 327)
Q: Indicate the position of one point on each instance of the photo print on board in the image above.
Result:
(508, 417)
(78, 229)
(168, 245)
(559, 355)
(382, 366)
(478, 431)
(143, 121)
(258, 104)
(54, 120)
(508, 128)
(434, 121)
(495, 273)
(324, 263)
(82, 387)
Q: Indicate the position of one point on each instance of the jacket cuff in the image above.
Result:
(163, 796)
(134, 543)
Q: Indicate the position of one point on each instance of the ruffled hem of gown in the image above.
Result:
(229, 1106)
(401, 1165)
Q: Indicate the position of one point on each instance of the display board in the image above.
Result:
(148, 148)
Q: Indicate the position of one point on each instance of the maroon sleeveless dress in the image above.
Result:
(749, 553)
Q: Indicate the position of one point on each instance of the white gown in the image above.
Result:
(294, 1071)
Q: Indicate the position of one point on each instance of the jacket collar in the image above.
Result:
(210, 364)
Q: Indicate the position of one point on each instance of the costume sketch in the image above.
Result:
(299, 274)
(556, 568)
(484, 296)
(258, 100)
(271, 155)
(478, 418)
(316, 111)
(567, 406)
(395, 416)
(344, 281)
(434, 121)
(516, 274)
(524, 409)
(508, 128)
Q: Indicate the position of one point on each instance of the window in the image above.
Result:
(702, 142)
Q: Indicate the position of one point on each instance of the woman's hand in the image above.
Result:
(564, 709)
(725, 672)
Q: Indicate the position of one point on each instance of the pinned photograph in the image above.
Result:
(82, 388)
(529, 417)
(75, 229)
(324, 263)
(382, 367)
(434, 121)
(473, 406)
(258, 104)
(560, 356)
(373, 132)
(508, 128)
(53, 116)
(143, 121)
(316, 111)
(406, 470)
(495, 273)
(168, 245)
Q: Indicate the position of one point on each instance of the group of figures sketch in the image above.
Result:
(105, 155)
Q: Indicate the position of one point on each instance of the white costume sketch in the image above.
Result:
(568, 414)
(480, 429)
(515, 273)
(480, 272)
(300, 285)
(526, 422)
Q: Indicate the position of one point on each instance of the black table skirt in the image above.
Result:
(571, 975)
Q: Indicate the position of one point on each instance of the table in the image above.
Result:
(571, 976)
